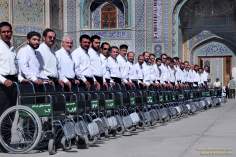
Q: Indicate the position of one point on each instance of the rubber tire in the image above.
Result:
(66, 144)
(38, 122)
(52, 147)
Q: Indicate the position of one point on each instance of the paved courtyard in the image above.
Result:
(210, 133)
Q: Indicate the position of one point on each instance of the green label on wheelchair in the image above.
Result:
(191, 96)
(181, 97)
(109, 103)
(71, 107)
(160, 98)
(173, 97)
(132, 101)
(42, 109)
(149, 100)
(205, 94)
(94, 104)
(167, 97)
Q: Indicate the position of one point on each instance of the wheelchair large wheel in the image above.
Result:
(20, 129)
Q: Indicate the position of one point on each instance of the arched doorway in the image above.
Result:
(195, 20)
(197, 26)
(218, 55)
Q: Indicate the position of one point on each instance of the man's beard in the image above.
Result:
(33, 47)
(96, 49)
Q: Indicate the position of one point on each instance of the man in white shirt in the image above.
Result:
(122, 60)
(165, 71)
(146, 69)
(105, 47)
(154, 72)
(158, 64)
(172, 72)
(206, 75)
(131, 69)
(65, 63)
(201, 77)
(29, 65)
(81, 58)
(113, 66)
(139, 71)
(217, 83)
(46, 56)
(96, 62)
(8, 69)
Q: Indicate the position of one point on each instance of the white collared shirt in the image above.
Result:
(29, 65)
(131, 73)
(179, 75)
(105, 69)
(123, 68)
(65, 65)
(147, 73)
(96, 63)
(187, 75)
(164, 73)
(139, 71)
(7, 61)
(113, 67)
(47, 60)
(172, 72)
(82, 64)
(205, 76)
(153, 73)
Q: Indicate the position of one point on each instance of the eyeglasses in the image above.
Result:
(105, 48)
(51, 37)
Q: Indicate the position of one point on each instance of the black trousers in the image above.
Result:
(116, 80)
(99, 80)
(82, 85)
(55, 80)
(8, 95)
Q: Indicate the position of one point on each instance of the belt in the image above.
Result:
(11, 77)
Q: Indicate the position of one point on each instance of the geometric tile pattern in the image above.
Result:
(157, 20)
(140, 26)
(149, 25)
(4, 11)
(28, 12)
(71, 19)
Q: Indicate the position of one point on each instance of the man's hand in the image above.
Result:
(98, 86)
(38, 82)
(61, 83)
(105, 84)
(68, 84)
(88, 85)
(8, 83)
(77, 82)
(25, 81)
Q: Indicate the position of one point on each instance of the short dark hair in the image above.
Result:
(151, 54)
(95, 37)
(124, 46)
(130, 53)
(158, 59)
(4, 23)
(104, 43)
(84, 36)
(145, 53)
(45, 32)
(176, 58)
(33, 33)
(114, 47)
(140, 56)
(163, 54)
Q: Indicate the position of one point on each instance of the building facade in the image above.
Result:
(202, 31)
